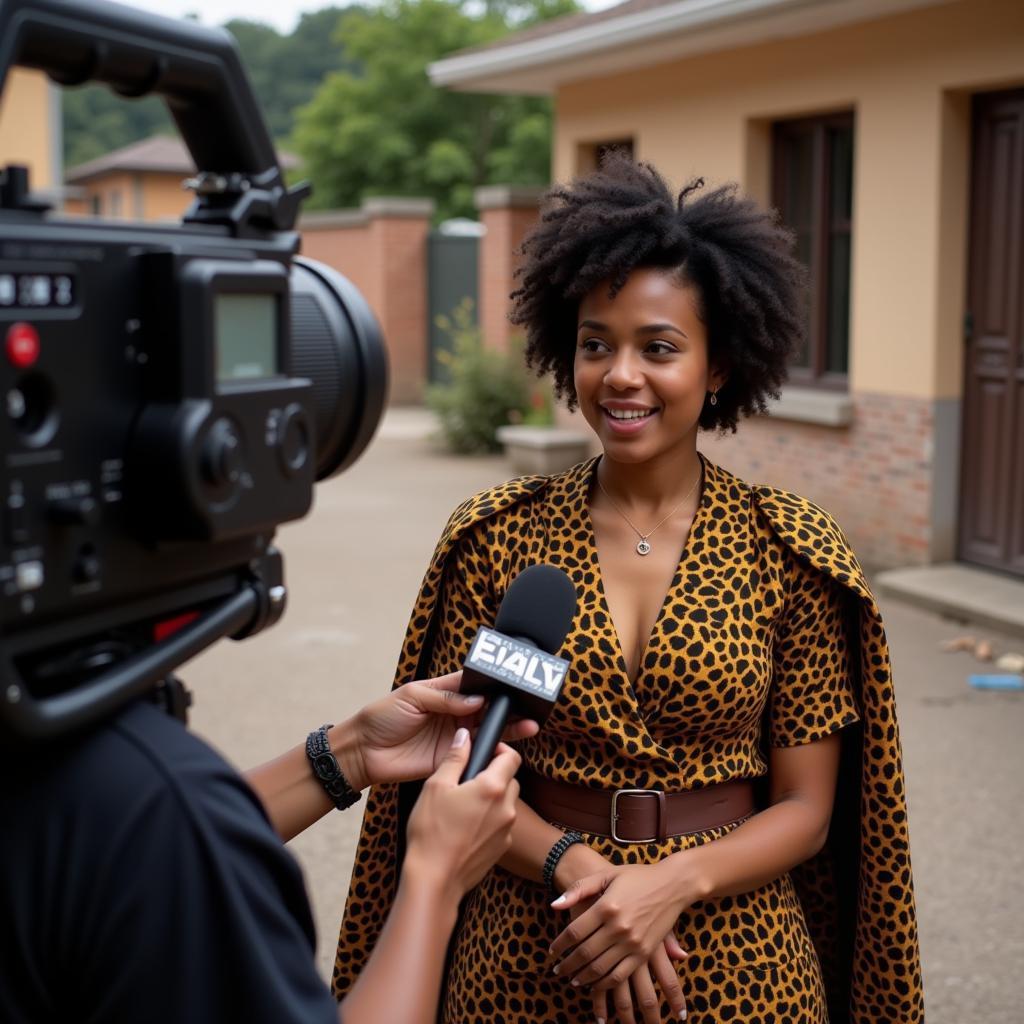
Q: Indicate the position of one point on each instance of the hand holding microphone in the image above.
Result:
(456, 833)
(514, 664)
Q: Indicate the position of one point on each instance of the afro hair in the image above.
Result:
(737, 256)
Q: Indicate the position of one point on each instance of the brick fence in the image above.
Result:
(382, 249)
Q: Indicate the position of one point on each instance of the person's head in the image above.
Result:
(614, 255)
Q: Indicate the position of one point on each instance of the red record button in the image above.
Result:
(22, 345)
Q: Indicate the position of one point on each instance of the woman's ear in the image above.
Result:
(717, 378)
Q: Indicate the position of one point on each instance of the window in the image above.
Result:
(590, 154)
(812, 188)
(95, 205)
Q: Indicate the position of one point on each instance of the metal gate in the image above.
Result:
(452, 258)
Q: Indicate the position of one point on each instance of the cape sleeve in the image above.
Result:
(858, 892)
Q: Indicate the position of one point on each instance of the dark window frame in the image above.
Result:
(823, 228)
(589, 154)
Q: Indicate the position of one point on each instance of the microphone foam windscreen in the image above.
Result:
(539, 605)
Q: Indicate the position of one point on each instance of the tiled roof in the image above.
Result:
(158, 153)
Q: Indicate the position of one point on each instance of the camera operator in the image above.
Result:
(172, 392)
(142, 879)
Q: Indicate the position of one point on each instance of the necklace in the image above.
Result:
(644, 545)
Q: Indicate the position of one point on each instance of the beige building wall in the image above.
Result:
(163, 196)
(132, 195)
(908, 79)
(28, 134)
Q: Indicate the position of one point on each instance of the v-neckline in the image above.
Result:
(698, 520)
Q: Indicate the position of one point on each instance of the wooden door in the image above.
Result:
(992, 462)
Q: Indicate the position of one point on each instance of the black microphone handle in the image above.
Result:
(487, 737)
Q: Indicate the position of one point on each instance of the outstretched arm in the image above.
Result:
(401, 737)
(456, 833)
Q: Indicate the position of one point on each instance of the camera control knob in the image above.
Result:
(222, 455)
(73, 511)
(293, 439)
(87, 568)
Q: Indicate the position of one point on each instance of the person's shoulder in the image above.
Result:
(804, 528)
(495, 505)
(164, 763)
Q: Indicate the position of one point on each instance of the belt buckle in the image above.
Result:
(615, 815)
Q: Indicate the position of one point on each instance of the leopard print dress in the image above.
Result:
(751, 648)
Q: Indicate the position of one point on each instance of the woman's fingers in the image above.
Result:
(622, 999)
(599, 1001)
(645, 996)
(450, 681)
(522, 729)
(575, 932)
(582, 889)
(674, 948)
(439, 697)
(609, 966)
(668, 980)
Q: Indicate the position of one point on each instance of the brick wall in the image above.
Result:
(507, 213)
(382, 249)
(875, 475)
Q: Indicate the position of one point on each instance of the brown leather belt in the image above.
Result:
(637, 815)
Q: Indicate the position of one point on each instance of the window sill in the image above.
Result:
(810, 405)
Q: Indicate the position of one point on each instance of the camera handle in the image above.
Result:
(256, 605)
(197, 69)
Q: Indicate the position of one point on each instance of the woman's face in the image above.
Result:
(641, 368)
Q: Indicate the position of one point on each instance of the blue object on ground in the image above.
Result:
(1006, 682)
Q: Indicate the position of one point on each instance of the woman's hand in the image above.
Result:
(639, 990)
(592, 873)
(632, 908)
(456, 833)
(406, 734)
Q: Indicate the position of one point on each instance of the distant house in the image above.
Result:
(141, 181)
(30, 130)
(890, 136)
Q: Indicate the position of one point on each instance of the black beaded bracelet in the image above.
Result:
(555, 854)
(326, 768)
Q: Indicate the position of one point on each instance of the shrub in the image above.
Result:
(485, 389)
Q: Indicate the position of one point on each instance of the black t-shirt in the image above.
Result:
(141, 881)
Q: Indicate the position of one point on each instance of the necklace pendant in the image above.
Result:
(643, 548)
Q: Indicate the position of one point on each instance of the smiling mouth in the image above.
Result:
(628, 415)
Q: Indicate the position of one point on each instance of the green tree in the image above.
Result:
(285, 72)
(386, 130)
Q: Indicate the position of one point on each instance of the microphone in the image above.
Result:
(514, 663)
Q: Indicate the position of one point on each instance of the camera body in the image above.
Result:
(170, 393)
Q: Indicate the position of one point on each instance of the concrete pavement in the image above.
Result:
(353, 568)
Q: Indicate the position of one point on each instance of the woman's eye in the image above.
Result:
(593, 345)
(661, 348)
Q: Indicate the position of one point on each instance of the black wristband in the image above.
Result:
(326, 768)
(555, 854)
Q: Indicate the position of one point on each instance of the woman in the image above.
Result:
(725, 641)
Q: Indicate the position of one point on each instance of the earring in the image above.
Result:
(714, 397)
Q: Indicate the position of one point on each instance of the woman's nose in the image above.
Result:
(625, 372)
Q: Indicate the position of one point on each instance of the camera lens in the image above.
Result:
(337, 343)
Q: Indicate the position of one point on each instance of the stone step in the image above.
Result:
(961, 592)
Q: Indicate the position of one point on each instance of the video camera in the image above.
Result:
(168, 394)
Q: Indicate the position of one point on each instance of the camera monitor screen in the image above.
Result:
(246, 336)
